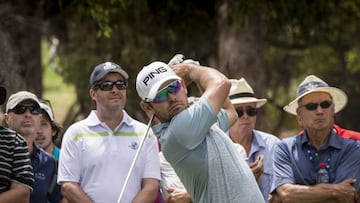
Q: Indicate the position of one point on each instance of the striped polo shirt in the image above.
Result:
(15, 163)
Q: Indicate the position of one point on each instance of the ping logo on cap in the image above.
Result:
(153, 74)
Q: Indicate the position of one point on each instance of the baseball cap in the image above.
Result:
(48, 110)
(2, 94)
(20, 96)
(101, 70)
(151, 77)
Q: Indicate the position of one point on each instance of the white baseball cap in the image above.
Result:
(48, 110)
(151, 77)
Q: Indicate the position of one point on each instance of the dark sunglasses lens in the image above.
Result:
(19, 109)
(239, 112)
(106, 86)
(325, 104)
(34, 110)
(120, 84)
(251, 111)
(311, 106)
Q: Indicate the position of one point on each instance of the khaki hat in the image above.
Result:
(18, 97)
(241, 92)
(314, 84)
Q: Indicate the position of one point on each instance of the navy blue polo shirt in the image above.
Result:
(44, 168)
(297, 162)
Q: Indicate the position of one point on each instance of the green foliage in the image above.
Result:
(299, 38)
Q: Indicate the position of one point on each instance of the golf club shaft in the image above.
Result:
(134, 160)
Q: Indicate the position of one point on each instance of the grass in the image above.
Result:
(60, 94)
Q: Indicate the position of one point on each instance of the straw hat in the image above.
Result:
(314, 84)
(241, 92)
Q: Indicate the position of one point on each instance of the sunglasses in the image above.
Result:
(313, 106)
(108, 85)
(250, 111)
(162, 95)
(21, 109)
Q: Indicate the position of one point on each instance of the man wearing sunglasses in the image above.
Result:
(97, 152)
(297, 159)
(258, 145)
(193, 138)
(16, 176)
(23, 115)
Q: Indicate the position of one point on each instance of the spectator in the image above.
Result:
(297, 159)
(257, 144)
(23, 115)
(49, 130)
(192, 138)
(97, 152)
(16, 176)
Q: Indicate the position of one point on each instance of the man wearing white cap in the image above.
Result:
(16, 176)
(298, 159)
(23, 115)
(258, 145)
(193, 138)
(97, 152)
(49, 130)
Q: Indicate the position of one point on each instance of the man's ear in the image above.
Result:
(147, 108)
(299, 117)
(92, 93)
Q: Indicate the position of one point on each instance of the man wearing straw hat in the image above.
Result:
(258, 145)
(297, 159)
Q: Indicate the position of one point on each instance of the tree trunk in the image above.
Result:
(241, 54)
(20, 26)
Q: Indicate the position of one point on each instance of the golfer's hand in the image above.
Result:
(178, 58)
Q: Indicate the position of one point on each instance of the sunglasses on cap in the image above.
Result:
(313, 106)
(162, 95)
(21, 109)
(250, 111)
(108, 85)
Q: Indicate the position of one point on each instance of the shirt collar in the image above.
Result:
(93, 120)
(334, 140)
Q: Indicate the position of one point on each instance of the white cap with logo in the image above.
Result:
(151, 77)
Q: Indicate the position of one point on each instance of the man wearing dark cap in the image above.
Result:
(298, 159)
(23, 114)
(97, 152)
(16, 176)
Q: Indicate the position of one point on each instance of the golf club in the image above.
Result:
(134, 160)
